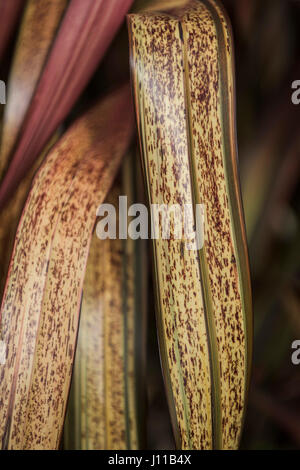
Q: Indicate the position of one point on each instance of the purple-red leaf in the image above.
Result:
(84, 36)
(37, 31)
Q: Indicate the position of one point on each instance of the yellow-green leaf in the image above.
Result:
(10, 215)
(182, 70)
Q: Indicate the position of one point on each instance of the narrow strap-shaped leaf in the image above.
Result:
(39, 25)
(83, 38)
(182, 69)
(40, 308)
(107, 386)
(158, 5)
(10, 215)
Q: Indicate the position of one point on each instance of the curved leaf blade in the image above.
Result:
(182, 69)
(85, 33)
(107, 393)
(39, 25)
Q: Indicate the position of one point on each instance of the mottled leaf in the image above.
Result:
(107, 394)
(39, 25)
(83, 38)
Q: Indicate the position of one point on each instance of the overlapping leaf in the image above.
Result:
(40, 308)
(37, 31)
(107, 386)
(11, 213)
(182, 68)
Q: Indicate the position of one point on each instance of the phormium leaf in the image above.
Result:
(182, 69)
(41, 303)
(158, 5)
(83, 38)
(107, 390)
(9, 13)
(39, 24)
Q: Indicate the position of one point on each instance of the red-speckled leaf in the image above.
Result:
(83, 38)
(41, 304)
(183, 81)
